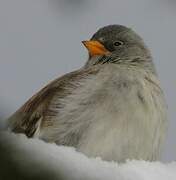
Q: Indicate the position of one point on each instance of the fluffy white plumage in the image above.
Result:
(124, 116)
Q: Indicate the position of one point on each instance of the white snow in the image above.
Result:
(35, 158)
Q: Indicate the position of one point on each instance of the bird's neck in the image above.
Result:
(145, 62)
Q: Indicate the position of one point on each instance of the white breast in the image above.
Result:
(117, 115)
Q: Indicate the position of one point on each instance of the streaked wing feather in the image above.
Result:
(34, 112)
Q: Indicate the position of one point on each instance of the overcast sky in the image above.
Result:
(41, 40)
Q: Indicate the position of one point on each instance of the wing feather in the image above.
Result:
(35, 111)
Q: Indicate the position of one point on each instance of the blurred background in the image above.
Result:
(41, 40)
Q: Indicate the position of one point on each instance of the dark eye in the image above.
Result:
(118, 43)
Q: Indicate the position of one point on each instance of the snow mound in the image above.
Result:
(23, 158)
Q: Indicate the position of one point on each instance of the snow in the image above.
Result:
(35, 159)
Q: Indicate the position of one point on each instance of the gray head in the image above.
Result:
(117, 44)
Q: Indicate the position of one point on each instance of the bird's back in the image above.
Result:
(114, 112)
(119, 114)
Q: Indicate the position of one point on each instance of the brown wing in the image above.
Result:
(29, 117)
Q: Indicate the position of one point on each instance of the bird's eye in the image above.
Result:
(118, 43)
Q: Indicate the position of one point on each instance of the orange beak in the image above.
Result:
(95, 48)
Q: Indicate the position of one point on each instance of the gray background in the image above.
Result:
(41, 40)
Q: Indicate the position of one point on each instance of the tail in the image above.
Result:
(25, 124)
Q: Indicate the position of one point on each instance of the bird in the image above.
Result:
(113, 107)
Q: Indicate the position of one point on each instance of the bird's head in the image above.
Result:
(116, 44)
